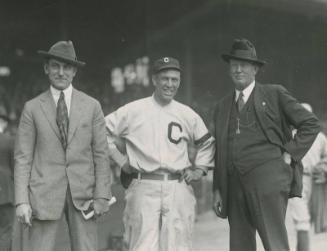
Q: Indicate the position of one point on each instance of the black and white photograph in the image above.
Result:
(177, 125)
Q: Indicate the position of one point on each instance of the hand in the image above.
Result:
(100, 207)
(24, 214)
(287, 158)
(190, 174)
(319, 177)
(217, 203)
(126, 166)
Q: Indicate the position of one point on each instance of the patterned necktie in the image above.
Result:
(62, 119)
(240, 102)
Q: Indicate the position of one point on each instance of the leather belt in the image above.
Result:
(157, 176)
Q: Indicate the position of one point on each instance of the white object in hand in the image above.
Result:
(89, 214)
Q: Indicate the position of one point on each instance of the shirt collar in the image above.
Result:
(56, 93)
(246, 92)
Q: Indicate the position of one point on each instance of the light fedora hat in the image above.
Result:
(243, 49)
(64, 51)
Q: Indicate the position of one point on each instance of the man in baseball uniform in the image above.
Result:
(160, 203)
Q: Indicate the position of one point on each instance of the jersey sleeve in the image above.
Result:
(204, 144)
(117, 128)
(117, 122)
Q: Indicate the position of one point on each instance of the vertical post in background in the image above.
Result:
(187, 70)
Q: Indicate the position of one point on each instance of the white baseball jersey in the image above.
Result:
(159, 136)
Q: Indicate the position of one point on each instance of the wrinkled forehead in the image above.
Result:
(170, 73)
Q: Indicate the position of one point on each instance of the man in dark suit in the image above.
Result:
(258, 163)
(61, 158)
(7, 207)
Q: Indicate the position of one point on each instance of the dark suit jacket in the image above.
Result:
(276, 111)
(6, 169)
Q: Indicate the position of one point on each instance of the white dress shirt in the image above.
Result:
(68, 95)
(246, 92)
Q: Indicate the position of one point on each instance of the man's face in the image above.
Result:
(60, 74)
(242, 73)
(166, 85)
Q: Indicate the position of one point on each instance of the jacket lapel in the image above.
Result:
(260, 105)
(76, 113)
(49, 109)
(222, 125)
(226, 108)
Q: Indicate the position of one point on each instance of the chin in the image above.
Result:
(61, 86)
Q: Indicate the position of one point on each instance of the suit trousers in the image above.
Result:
(257, 201)
(82, 233)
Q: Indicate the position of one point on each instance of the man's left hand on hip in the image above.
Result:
(192, 174)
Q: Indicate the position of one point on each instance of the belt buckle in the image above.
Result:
(165, 176)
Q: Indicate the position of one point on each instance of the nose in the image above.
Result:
(238, 68)
(61, 71)
(170, 82)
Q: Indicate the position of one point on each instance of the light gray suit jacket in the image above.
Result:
(43, 170)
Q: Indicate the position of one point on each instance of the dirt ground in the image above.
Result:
(211, 234)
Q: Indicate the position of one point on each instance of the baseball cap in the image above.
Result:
(165, 63)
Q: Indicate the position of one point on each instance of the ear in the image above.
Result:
(154, 80)
(46, 68)
(75, 70)
(256, 68)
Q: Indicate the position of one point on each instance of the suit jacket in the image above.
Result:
(6, 169)
(43, 170)
(276, 111)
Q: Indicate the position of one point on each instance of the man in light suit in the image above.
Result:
(258, 163)
(61, 158)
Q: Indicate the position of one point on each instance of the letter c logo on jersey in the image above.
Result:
(174, 132)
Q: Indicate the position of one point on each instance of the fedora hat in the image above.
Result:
(243, 49)
(64, 51)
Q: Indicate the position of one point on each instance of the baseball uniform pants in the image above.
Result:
(159, 216)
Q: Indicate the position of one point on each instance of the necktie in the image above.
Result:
(240, 102)
(62, 119)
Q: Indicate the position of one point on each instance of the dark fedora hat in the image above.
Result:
(243, 49)
(64, 51)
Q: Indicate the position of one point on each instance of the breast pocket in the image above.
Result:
(271, 115)
(84, 132)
